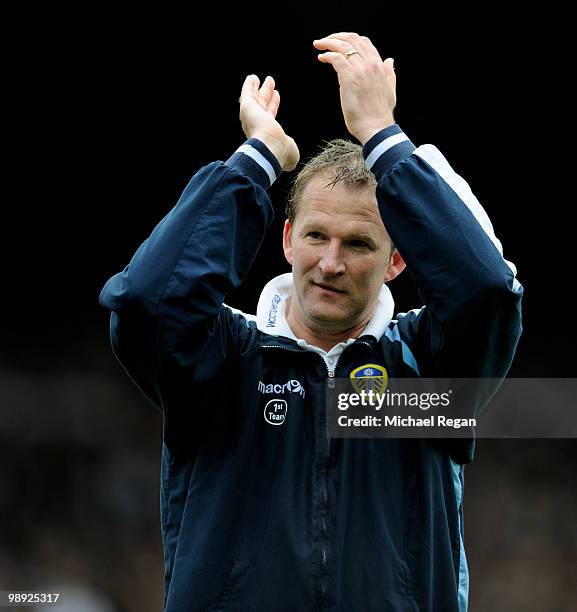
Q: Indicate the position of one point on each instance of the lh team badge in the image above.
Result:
(275, 411)
(369, 377)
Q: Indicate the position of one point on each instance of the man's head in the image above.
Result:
(335, 241)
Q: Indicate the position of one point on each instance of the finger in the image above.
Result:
(249, 87)
(337, 60)
(274, 103)
(266, 91)
(361, 43)
(350, 36)
(335, 45)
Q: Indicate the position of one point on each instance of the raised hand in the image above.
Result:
(367, 83)
(258, 109)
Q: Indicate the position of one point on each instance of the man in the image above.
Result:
(261, 510)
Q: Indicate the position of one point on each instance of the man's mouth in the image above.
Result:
(328, 287)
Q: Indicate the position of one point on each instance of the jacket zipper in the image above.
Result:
(331, 384)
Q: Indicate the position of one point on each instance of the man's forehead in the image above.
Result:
(338, 203)
(345, 222)
(321, 190)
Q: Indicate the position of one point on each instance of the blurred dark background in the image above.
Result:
(111, 115)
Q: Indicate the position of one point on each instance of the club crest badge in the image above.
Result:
(369, 377)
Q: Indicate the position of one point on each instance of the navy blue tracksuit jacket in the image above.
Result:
(261, 517)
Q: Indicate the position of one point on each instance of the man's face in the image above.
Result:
(340, 253)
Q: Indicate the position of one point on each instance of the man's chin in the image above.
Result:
(329, 317)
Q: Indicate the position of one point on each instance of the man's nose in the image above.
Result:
(331, 262)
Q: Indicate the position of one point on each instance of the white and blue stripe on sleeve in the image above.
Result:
(255, 159)
(385, 149)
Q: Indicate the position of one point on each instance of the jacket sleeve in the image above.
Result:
(167, 304)
(471, 322)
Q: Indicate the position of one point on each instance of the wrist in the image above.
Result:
(366, 132)
(275, 146)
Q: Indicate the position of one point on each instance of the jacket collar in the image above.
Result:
(271, 319)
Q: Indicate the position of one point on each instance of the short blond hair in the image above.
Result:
(338, 160)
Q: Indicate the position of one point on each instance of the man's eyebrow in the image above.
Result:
(312, 226)
(360, 236)
(318, 227)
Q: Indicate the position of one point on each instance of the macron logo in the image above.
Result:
(271, 322)
(292, 386)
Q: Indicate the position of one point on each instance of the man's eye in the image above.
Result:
(315, 235)
(358, 243)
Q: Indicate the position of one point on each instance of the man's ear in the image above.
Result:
(287, 241)
(395, 267)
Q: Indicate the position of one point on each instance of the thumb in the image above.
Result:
(390, 70)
